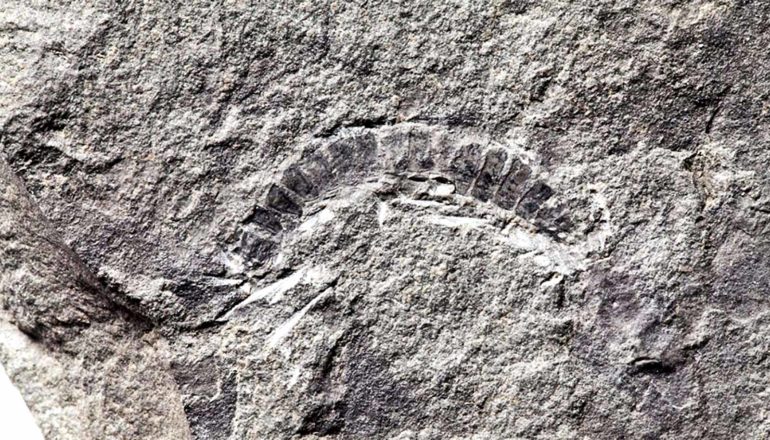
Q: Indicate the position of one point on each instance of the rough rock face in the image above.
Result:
(502, 219)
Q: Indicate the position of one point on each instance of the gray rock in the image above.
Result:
(388, 220)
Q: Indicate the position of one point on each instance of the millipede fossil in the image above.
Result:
(475, 167)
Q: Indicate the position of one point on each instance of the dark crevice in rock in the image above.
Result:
(652, 366)
(368, 123)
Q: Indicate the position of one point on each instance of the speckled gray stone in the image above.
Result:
(501, 219)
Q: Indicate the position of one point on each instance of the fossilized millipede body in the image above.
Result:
(475, 167)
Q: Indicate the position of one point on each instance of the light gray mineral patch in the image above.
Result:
(412, 220)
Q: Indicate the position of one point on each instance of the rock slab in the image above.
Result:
(499, 219)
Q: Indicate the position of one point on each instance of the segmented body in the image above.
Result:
(473, 166)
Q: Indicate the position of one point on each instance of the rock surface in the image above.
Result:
(498, 219)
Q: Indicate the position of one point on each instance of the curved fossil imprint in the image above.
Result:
(450, 163)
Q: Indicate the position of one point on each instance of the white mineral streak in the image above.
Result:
(230, 123)
(285, 329)
(543, 250)
(323, 217)
(443, 190)
(455, 222)
(275, 292)
(224, 281)
(383, 213)
(233, 262)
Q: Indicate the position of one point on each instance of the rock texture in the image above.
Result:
(500, 219)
